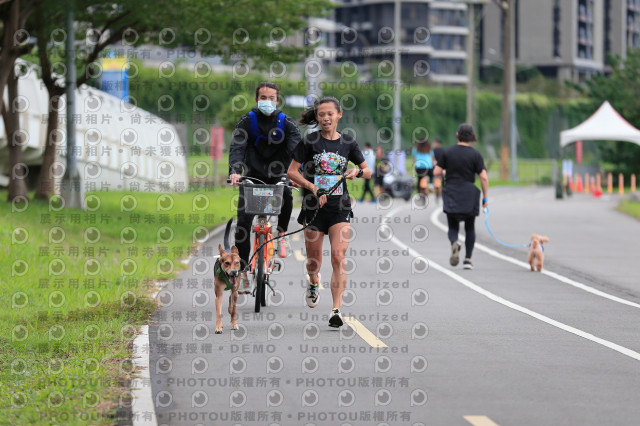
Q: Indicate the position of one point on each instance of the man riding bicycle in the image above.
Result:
(261, 147)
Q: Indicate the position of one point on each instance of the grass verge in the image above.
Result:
(632, 208)
(75, 286)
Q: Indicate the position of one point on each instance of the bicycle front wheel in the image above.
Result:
(260, 276)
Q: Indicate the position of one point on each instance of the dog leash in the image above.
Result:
(486, 223)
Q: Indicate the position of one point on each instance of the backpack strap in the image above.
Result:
(255, 130)
(281, 120)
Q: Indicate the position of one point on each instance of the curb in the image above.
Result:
(143, 411)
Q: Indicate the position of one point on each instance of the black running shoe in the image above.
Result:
(336, 318)
(467, 264)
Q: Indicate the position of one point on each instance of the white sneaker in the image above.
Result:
(313, 293)
(336, 318)
(284, 246)
(455, 254)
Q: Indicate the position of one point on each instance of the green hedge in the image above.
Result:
(539, 117)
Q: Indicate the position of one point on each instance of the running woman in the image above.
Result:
(325, 155)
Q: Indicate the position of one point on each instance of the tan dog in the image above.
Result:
(226, 271)
(536, 252)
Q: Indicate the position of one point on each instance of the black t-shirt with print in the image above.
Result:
(322, 162)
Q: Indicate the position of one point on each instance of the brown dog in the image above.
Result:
(536, 252)
(226, 271)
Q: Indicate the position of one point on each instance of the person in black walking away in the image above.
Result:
(382, 167)
(460, 195)
(261, 147)
(370, 158)
(325, 155)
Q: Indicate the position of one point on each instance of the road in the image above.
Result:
(426, 343)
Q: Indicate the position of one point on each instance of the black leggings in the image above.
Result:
(453, 220)
(243, 228)
(367, 189)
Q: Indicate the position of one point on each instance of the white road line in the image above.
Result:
(621, 349)
(554, 275)
(299, 255)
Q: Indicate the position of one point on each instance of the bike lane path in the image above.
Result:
(285, 365)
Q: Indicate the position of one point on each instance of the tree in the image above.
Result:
(622, 90)
(13, 14)
(249, 30)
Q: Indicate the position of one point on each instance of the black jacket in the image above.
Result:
(270, 158)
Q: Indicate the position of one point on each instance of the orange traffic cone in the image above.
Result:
(579, 186)
(587, 182)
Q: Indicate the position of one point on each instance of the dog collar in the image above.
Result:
(222, 275)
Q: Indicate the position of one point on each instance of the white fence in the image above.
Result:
(118, 146)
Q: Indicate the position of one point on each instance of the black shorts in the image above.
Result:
(325, 219)
(420, 173)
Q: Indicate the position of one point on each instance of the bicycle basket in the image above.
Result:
(262, 199)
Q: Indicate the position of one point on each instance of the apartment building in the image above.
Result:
(567, 39)
(433, 37)
(621, 26)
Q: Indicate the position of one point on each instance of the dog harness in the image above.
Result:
(217, 268)
(541, 247)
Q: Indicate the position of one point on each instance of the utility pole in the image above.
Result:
(472, 71)
(471, 67)
(397, 111)
(71, 189)
(507, 89)
(512, 91)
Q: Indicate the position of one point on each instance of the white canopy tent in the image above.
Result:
(605, 124)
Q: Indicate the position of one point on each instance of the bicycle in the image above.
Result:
(263, 200)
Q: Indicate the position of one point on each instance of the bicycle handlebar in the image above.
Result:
(253, 180)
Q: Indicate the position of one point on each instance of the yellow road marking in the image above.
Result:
(480, 421)
(364, 333)
(298, 255)
(296, 237)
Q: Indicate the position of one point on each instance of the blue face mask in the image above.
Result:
(267, 107)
